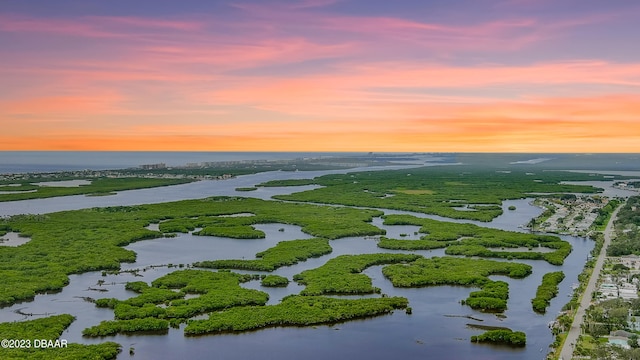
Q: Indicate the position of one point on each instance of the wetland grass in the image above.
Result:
(294, 310)
(50, 329)
(73, 242)
(285, 253)
(547, 290)
(460, 271)
(342, 275)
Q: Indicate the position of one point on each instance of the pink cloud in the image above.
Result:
(92, 26)
(147, 23)
(358, 89)
(21, 24)
(303, 4)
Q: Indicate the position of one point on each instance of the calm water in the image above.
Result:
(45, 161)
(194, 190)
(426, 334)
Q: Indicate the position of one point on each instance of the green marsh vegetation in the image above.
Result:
(159, 306)
(51, 328)
(274, 281)
(72, 242)
(230, 307)
(252, 188)
(149, 294)
(223, 226)
(106, 328)
(285, 253)
(98, 186)
(557, 257)
(288, 182)
(294, 310)
(502, 336)
(492, 297)
(547, 290)
(459, 271)
(235, 232)
(342, 274)
(436, 190)
(214, 290)
(473, 240)
(320, 221)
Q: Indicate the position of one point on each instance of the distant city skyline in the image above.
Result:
(320, 75)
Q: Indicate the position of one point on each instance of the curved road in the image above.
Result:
(572, 337)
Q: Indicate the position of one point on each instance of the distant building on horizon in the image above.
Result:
(153, 166)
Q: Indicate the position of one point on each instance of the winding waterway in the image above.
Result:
(427, 333)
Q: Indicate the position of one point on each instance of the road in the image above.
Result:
(574, 331)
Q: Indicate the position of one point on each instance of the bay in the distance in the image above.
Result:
(13, 162)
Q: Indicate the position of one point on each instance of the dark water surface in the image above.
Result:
(426, 334)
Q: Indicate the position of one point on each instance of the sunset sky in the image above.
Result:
(320, 75)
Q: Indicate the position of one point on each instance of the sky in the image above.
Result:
(320, 75)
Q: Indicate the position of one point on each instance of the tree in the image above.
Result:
(618, 317)
(597, 330)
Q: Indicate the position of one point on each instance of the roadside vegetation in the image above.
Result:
(618, 316)
(604, 315)
(604, 215)
(563, 322)
(615, 315)
(627, 230)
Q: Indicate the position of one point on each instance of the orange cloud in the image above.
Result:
(541, 125)
(368, 90)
